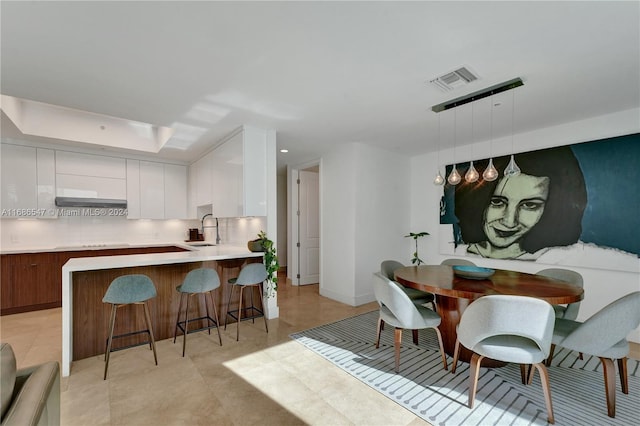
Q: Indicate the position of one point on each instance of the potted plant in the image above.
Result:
(415, 235)
(264, 244)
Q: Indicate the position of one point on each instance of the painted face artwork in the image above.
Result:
(516, 206)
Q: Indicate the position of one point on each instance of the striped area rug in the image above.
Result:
(440, 398)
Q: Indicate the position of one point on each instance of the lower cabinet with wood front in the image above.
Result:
(33, 281)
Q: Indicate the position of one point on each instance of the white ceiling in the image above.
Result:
(321, 73)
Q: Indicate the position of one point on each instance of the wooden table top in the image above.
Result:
(440, 279)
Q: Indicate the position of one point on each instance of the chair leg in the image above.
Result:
(186, 327)
(544, 379)
(550, 357)
(264, 314)
(175, 330)
(226, 316)
(444, 357)
(112, 323)
(414, 333)
(523, 374)
(609, 385)
(456, 354)
(530, 373)
(206, 308)
(474, 373)
(215, 313)
(622, 369)
(239, 314)
(153, 340)
(380, 327)
(253, 320)
(397, 342)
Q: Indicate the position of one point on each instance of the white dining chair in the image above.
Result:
(603, 335)
(569, 311)
(397, 310)
(507, 328)
(387, 267)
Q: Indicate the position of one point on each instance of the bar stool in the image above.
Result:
(199, 281)
(251, 275)
(127, 290)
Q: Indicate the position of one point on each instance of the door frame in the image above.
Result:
(293, 256)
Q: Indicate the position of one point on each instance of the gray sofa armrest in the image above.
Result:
(36, 398)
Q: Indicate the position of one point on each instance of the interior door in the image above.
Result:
(309, 231)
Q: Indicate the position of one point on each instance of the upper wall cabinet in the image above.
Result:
(156, 190)
(175, 192)
(28, 181)
(239, 175)
(90, 176)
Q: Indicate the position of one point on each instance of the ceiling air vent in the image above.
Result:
(454, 79)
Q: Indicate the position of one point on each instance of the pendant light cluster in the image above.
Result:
(490, 173)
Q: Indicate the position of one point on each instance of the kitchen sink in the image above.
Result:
(201, 244)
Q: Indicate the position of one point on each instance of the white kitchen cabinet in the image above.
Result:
(192, 208)
(90, 176)
(28, 182)
(203, 178)
(156, 190)
(133, 189)
(151, 190)
(46, 182)
(240, 175)
(19, 180)
(175, 191)
(75, 163)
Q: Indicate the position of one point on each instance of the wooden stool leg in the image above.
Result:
(153, 340)
(186, 326)
(215, 313)
(175, 331)
(112, 323)
(264, 314)
(226, 316)
(239, 314)
(206, 307)
(253, 320)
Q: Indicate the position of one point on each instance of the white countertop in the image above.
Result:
(94, 246)
(196, 254)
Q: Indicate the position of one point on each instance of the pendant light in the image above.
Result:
(490, 173)
(454, 176)
(472, 174)
(438, 180)
(512, 169)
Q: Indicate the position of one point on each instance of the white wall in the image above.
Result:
(365, 214)
(601, 286)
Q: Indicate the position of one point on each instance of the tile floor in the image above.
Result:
(263, 379)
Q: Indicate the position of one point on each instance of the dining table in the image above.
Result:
(454, 293)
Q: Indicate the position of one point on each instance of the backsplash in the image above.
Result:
(76, 231)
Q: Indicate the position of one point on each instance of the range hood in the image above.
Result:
(91, 202)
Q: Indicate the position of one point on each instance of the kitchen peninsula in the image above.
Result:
(85, 280)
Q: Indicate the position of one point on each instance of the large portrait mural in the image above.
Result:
(571, 205)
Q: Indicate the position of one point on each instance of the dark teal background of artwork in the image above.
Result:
(611, 169)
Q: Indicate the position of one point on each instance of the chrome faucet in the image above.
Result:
(212, 226)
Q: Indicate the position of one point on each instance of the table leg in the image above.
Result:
(450, 310)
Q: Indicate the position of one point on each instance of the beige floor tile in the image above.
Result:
(265, 378)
